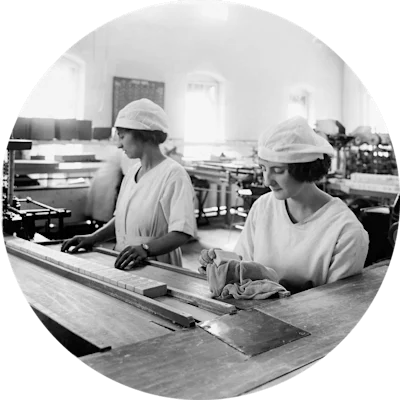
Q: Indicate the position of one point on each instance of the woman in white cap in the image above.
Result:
(154, 213)
(307, 236)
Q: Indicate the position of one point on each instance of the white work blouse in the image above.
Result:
(329, 245)
(161, 202)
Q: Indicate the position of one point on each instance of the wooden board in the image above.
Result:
(249, 304)
(169, 267)
(100, 319)
(170, 278)
(175, 280)
(194, 366)
(54, 262)
(202, 300)
(125, 279)
(199, 314)
(205, 303)
(128, 280)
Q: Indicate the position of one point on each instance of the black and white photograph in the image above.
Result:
(200, 199)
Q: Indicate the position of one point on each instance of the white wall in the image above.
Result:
(359, 108)
(354, 114)
(259, 56)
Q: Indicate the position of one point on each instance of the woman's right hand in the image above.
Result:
(207, 257)
(85, 242)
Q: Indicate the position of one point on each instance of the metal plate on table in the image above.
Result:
(253, 332)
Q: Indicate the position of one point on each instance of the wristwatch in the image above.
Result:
(145, 247)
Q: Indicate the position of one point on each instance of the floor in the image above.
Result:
(213, 235)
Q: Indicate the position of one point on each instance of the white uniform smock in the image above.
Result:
(330, 244)
(161, 202)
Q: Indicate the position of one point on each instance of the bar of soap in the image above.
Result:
(222, 256)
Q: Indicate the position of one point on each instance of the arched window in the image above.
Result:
(58, 93)
(300, 103)
(203, 116)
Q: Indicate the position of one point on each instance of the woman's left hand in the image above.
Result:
(129, 257)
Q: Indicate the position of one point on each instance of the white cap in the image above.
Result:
(293, 141)
(142, 114)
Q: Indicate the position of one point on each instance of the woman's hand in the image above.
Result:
(85, 242)
(130, 255)
(207, 257)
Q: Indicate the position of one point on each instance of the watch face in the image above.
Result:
(144, 245)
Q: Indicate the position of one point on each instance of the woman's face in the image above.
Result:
(132, 147)
(278, 179)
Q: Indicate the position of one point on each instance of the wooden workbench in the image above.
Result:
(149, 353)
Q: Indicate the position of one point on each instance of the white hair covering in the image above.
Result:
(293, 141)
(142, 114)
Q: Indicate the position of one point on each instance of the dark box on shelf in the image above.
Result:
(101, 133)
(66, 129)
(22, 128)
(43, 128)
(84, 129)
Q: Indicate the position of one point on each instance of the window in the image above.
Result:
(300, 103)
(203, 117)
(57, 94)
(374, 117)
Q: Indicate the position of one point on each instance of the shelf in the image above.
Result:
(19, 144)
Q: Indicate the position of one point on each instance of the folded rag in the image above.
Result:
(243, 280)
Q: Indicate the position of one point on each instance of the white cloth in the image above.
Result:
(293, 141)
(329, 245)
(161, 202)
(243, 280)
(142, 114)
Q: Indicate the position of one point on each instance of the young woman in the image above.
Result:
(154, 213)
(308, 237)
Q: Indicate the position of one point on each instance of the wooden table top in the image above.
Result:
(100, 319)
(149, 355)
(171, 365)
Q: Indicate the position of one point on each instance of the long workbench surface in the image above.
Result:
(171, 365)
(97, 317)
(222, 354)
